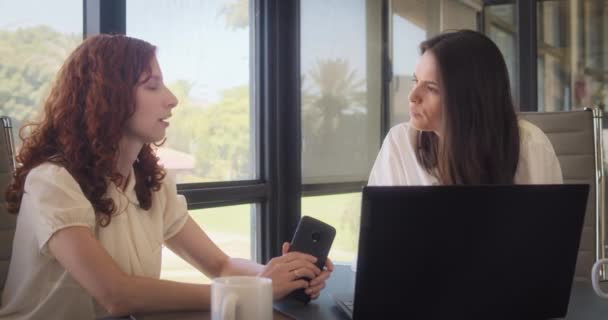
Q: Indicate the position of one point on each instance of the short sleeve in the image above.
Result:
(52, 201)
(176, 210)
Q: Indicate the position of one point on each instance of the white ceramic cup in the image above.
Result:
(241, 297)
(595, 278)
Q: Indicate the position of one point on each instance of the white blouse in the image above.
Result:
(38, 287)
(396, 163)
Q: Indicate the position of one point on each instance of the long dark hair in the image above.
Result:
(480, 134)
(90, 103)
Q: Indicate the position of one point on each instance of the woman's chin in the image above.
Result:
(418, 125)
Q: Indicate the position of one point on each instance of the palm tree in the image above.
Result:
(336, 89)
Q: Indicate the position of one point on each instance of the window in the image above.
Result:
(340, 72)
(343, 212)
(229, 228)
(35, 39)
(342, 95)
(203, 50)
(412, 22)
(500, 26)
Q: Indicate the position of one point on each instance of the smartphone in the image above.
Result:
(313, 237)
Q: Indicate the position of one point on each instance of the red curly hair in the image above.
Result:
(84, 115)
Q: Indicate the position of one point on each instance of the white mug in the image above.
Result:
(595, 277)
(241, 297)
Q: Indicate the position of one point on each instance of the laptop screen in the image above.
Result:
(493, 252)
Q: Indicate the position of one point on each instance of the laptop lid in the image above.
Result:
(453, 252)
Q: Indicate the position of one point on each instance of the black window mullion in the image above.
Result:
(104, 16)
(387, 71)
(322, 189)
(207, 196)
(90, 14)
(277, 52)
(109, 16)
(276, 46)
(527, 55)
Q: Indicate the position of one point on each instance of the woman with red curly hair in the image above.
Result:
(94, 206)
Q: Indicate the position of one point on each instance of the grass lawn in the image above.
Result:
(342, 211)
(229, 228)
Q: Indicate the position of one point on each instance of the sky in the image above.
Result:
(63, 15)
(194, 43)
(406, 39)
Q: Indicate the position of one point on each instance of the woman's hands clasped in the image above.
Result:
(288, 270)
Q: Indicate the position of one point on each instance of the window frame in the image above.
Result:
(276, 83)
(275, 48)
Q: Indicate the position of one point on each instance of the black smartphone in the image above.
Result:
(313, 237)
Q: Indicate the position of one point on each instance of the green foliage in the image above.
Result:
(335, 88)
(236, 14)
(29, 60)
(333, 116)
(218, 135)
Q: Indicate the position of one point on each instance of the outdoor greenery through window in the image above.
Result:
(35, 39)
(341, 89)
(203, 48)
(343, 212)
(234, 238)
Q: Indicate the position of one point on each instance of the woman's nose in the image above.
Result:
(413, 95)
(173, 101)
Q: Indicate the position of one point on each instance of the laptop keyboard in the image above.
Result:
(345, 304)
(349, 304)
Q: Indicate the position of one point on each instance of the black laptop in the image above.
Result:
(468, 252)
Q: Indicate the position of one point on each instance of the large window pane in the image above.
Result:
(35, 39)
(554, 59)
(500, 26)
(573, 57)
(341, 87)
(411, 22)
(204, 52)
(343, 212)
(572, 54)
(228, 227)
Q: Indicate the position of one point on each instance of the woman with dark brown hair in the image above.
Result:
(94, 206)
(463, 128)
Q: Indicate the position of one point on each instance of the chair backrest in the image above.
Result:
(7, 221)
(576, 137)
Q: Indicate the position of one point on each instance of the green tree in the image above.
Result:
(332, 90)
(336, 88)
(30, 59)
(217, 135)
(236, 14)
(332, 93)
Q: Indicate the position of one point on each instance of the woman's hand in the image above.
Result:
(318, 283)
(287, 270)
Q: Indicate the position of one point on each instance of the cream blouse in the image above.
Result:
(396, 164)
(38, 287)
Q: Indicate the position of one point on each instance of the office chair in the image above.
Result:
(577, 139)
(7, 221)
